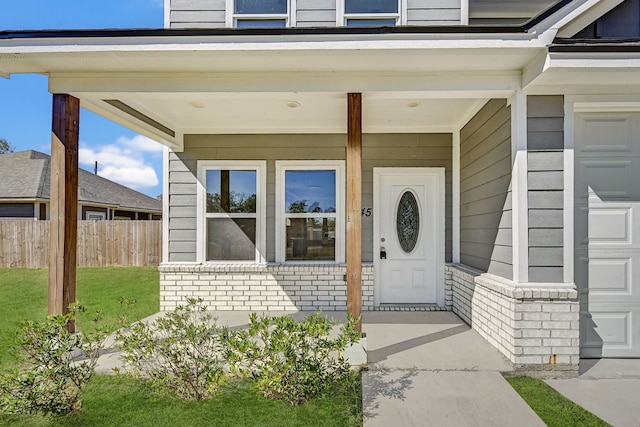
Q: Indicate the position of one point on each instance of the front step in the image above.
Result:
(409, 307)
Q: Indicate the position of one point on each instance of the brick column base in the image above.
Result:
(535, 328)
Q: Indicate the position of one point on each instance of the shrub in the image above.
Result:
(58, 365)
(290, 360)
(183, 352)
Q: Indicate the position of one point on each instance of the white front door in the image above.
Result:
(409, 235)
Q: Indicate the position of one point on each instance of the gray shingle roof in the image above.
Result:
(26, 175)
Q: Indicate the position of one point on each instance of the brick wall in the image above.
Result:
(273, 287)
(537, 329)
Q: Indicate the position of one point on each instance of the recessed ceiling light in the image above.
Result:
(413, 104)
(196, 104)
(293, 104)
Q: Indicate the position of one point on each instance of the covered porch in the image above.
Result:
(449, 116)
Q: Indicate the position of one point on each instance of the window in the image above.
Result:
(370, 13)
(97, 216)
(231, 211)
(310, 217)
(260, 13)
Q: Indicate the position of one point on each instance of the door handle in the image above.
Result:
(383, 253)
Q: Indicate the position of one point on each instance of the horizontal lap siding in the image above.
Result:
(406, 150)
(316, 13)
(197, 13)
(433, 12)
(485, 190)
(403, 150)
(545, 139)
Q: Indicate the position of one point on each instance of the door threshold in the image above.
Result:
(409, 307)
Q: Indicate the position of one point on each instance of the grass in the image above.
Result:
(116, 401)
(23, 293)
(552, 407)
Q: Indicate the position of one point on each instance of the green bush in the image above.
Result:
(57, 367)
(183, 352)
(293, 361)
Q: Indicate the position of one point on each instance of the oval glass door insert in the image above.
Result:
(408, 221)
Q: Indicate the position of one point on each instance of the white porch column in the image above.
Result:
(455, 199)
(519, 188)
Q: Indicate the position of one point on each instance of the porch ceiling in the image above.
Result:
(292, 112)
(165, 91)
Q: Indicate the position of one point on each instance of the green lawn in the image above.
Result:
(23, 293)
(115, 401)
(552, 407)
(112, 401)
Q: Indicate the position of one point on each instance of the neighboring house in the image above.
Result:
(498, 168)
(25, 192)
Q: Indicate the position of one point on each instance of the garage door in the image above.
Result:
(607, 196)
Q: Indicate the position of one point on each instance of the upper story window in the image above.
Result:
(260, 13)
(231, 211)
(365, 13)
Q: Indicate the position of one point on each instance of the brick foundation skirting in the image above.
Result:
(273, 287)
(536, 328)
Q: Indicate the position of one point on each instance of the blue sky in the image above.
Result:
(25, 108)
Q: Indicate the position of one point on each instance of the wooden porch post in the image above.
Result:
(354, 206)
(64, 204)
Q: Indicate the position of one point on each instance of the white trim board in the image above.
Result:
(519, 188)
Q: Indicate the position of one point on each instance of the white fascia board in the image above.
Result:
(590, 69)
(535, 68)
(448, 84)
(593, 60)
(311, 42)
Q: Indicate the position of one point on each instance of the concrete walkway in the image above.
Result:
(431, 369)
(609, 388)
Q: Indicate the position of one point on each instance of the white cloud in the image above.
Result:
(124, 161)
(141, 143)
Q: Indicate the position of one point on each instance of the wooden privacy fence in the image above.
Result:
(25, 243)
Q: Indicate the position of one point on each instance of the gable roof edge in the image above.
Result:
(581, 21)
(568, 15)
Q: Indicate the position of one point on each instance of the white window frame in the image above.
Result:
(231, 17)
(261, 221)
(102, 215)
(281, 230)
(342, 17)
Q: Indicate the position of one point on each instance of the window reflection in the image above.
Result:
(310, 191)
(231, 191)
(311, 239)
(261, 6)
(371, 6)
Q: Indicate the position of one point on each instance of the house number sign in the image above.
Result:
(366, 212)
